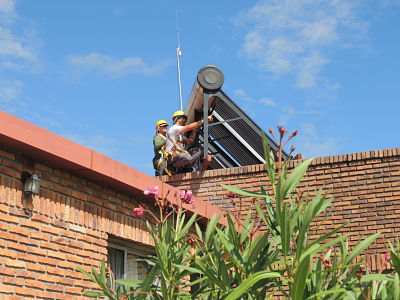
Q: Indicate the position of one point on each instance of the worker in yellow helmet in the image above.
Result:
(176, 141)
(159, 141)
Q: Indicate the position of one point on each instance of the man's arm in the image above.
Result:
(194, 125)
(158, 142)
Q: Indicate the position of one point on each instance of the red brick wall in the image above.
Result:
(365, 187)
(43, 240)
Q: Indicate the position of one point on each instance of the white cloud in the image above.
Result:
(11, 47)
(18, 53)
(7, 7)
(18, 43)
(268, 101)
(289, 113)
(10, 90)
(97, 142)
(307, 76)
(10, 97)
(289, 36)
(242, 95)
(117, 67)
(321, 32)
(310, 143)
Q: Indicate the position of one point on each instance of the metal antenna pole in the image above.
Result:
(178, 56)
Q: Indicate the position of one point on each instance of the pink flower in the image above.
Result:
(186, 196)
(182, 194)
(138, 212)
(151, 190)
(292, 244)
(388, 256)
(189, 197)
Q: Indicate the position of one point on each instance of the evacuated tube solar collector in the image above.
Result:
(235, 139)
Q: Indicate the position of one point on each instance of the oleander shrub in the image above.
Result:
(265, 255)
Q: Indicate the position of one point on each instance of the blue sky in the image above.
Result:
(101, 73)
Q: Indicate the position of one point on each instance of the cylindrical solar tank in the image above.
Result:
(209, 79)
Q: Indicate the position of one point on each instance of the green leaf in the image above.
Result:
(190, 269)
(147, 284)
(335, 269)
(375, 277)
(262, 214)
(211, 226)
(315, 248)
(324, 236)
(295, 177)
(93, 294)
(360, 248)
(232, 232)
(224, 240)
(319, 204)
(285, 233)
(395, 261)
(86, 274)
(323, 293)
(208, 272)
(198, 231)
(396, 287)
(269, 159)
(189, 224)
(247, 226)
(249, 282)
(299, 284)
(242, 192)
(260, 243)
(129, 282)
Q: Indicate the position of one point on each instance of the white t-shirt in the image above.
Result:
(174, 134)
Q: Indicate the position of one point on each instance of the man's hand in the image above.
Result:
(210, 118)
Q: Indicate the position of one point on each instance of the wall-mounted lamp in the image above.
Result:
(31, 183)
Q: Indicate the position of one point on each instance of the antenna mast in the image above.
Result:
(178, 56)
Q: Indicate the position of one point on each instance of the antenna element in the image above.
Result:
(178, 56)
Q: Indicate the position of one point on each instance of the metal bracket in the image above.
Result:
(225, 121)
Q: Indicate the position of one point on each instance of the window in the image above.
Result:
(126, 261)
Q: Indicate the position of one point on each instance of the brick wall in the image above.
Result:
(44, 239)
(365, 187)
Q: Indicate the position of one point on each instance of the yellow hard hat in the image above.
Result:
(161, 123)
(178, 113)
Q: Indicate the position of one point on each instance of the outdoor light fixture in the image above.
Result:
(31, 183)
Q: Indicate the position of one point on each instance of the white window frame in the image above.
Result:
(127, 250)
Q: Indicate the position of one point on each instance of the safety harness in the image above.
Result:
(168, 156)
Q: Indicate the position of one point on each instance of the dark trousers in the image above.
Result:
(186, 159)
